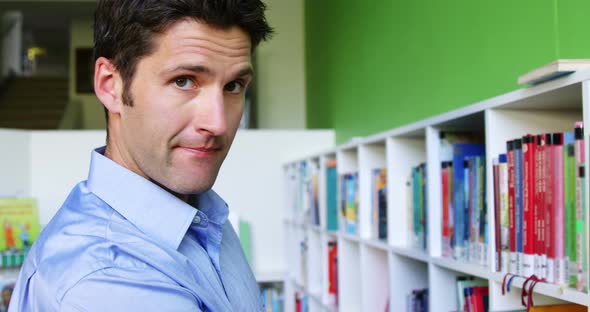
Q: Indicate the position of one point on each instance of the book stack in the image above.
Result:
(540, 209)
(379, 204)
(349, 202)
(418, 300)
(464, 224)
(417, 206)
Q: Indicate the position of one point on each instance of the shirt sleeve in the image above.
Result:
(102, 291)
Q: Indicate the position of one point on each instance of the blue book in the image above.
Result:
(416, 199)
(425, 205)
(331, 198)
(461, 213)
(518, 203)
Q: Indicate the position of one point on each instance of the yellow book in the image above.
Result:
(559, 308)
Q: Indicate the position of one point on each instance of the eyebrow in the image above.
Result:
(200, 69)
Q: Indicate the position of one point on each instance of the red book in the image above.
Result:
(497, 219)
(511, 205)
(539, 208)
(528, 185)
(549, 216)
(446, 226)
(480, 294)
(333, 271)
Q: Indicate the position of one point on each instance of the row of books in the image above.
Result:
(540, 209)
(272, 297)
(464, 209)
(301, 302)
(417, 191)
(303, 184)
(418, 300)
(342, 198)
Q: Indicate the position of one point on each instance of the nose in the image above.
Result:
(210, 113)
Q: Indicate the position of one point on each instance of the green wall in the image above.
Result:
(376, 65)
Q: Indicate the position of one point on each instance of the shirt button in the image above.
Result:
(197, 219)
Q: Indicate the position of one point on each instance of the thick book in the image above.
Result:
(379, 204)
(569, 192)
(528, 201)
(497, 215)
(331, 196)
(511, 208)
(549, 215)
(504, 214)
(559, 308)
(558, 209)
(539, 209)
(332, 273)
(518, 205)
(446, 170)
(581, 231)
(554, 70)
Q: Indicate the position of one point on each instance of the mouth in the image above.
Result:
(205, 151)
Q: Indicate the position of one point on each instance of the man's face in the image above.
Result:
(188, 98)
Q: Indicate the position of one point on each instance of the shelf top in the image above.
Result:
(559, 94)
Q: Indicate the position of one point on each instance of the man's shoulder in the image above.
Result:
(85, 236)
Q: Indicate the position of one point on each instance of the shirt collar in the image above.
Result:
(153, 210)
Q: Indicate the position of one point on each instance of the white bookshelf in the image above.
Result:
(372, 271)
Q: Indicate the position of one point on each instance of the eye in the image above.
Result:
(184, 83)
(234, 87)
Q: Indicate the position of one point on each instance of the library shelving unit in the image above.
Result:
(374, 274)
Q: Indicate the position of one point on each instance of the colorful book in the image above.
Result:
(20, 221)
(504, 214)
(379, 204)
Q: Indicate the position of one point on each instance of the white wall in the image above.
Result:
(48, 164)
(59, 160)
(15, 159)
(280, 65)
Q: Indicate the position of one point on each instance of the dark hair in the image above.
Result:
(124, 29)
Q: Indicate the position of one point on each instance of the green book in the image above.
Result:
(246, 240)
(569, 192)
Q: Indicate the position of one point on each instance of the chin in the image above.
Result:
(188, 189)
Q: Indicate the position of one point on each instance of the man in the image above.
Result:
(145, 232)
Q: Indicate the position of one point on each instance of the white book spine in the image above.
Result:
(528, 265)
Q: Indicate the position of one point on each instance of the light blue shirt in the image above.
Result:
(122, 243)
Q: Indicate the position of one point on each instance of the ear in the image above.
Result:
(108, 85)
